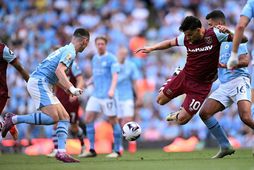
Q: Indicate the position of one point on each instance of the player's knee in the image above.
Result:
(161, 100)
(204, 114)
(182, 121)
(55, 117)
(245, 117)
(90, 117)
(113, 120)
(183, 118)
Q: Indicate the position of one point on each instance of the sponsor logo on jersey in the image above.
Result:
(206, 48)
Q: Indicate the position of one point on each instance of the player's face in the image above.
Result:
(122, 54)
(101, 46)
(212, 22)
(193, 35)
(83, 44)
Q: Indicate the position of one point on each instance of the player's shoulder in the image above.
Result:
(111, 56)
(130, 63)
(69, 48)
(212, 30)
(2, 44)
(251, 2)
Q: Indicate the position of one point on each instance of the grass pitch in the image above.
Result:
(142, 160)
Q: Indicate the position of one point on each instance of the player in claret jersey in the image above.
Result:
(196, 78)
(6, 57)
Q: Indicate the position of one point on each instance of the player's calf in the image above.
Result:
(162, 99)
(181, 117)
(8, 124)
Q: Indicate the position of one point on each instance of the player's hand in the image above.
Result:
(72, 98)
(223, 29)
(220, 65)
(144, 50)
(232, 61)
(75, 91)
(111, 93)
(139, 102)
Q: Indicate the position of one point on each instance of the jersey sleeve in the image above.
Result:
(222, 37)
(180, 40)
(115, 67)
(75, 69)
(248, 9)
(242, 49)
(135, 72)
(8, 55)
(67, 58)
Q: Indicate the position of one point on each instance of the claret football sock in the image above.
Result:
(34, 118)
(81, 137)
(217, 131)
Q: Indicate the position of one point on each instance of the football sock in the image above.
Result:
(34, 118)
(90, 132)
(62, 134)
(117, 137)
(1, 122)
(217, 131)
(54, 138)
(81, 136)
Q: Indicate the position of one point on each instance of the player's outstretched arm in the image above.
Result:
(159, 46)
(64, 82)
(20, 69)
(225, 29)
(242, 24)
(238, 37)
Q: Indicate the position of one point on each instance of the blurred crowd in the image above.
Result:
(32, 27)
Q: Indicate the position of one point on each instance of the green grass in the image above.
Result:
(142, 160)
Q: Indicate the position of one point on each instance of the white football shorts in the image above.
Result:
(41, 92)
(125, 108)
(106, 106)
(233, 91)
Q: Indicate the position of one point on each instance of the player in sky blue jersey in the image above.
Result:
(126, 86)
(246, 15)
(104, 77)
(234, 88)
(40, 86)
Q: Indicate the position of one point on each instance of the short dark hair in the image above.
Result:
(101, 38)
(81, 32)
(190, 23)
(216, 14)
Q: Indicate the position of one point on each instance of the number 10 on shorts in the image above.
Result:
(195, 104)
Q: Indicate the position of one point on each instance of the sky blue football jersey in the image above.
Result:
(128, 73)
(224, 74)
(46, 69)
(102, 69)
(248, 9)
